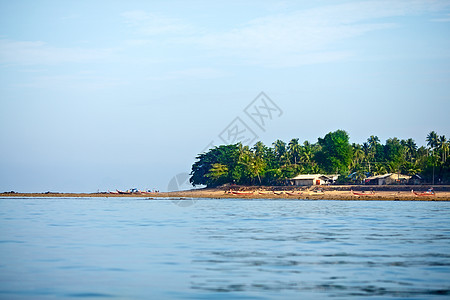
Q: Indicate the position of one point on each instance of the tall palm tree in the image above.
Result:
(280, 151)
(446, 149)
(358, 155)
(253, 164)
(306, 152)
(259, 149)
(432, 140)
(366, 148)
(443, 146)
(373, 141)
(294, 150)
(367, 153)
(411, 148)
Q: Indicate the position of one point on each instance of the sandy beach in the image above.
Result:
(392, 193)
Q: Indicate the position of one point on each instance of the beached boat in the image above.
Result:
(278, 193)
(371, 193)
(241, 193)
(113, 192)
(265, 193)
(430, 192)
(294, 193)
(124, 192)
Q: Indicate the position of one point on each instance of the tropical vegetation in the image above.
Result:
(332, 154)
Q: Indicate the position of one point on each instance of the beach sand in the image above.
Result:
(393, 193)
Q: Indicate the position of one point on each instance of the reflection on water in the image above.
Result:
(243, 249)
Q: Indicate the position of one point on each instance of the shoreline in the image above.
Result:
(383, 193)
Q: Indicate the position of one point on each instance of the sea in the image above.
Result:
(138, 248)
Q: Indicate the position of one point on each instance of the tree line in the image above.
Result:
(332, 154)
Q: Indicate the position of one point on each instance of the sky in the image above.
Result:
(105, 95)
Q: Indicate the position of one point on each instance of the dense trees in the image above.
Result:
(264, 165)
(216, 166)
(335, 153)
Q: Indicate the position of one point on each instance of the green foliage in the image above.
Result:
(263, 165)
(335, 154)
(395, 154)
(226, 155)
(218, 172)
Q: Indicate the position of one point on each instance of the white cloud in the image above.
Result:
(299, 37)
(38, 52)
(310, 36)
(285, 38)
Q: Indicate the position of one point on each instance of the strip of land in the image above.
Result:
(393, 193)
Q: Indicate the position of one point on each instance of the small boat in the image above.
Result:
(363, 193)
(430, 192)
(241, 193)
(124, 192)
(113, 192)
(278, 193)
(264, 193)
(294, 193)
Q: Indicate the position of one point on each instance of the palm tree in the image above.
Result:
(280, 151)
(367, 153)
(379, 169)
(443, 146)
(358, 154)
(252, 164)
(432, 140)
(411, 148)
(446, 149)
(306, 152)
(259, 149)
(294, 150)
(243, 149)
(373, 141)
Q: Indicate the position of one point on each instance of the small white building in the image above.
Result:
(313, 179)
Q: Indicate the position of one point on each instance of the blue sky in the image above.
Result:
(120, 94)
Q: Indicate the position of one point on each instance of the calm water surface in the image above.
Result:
(127, 248)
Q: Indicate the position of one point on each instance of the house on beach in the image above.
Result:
(390, 178)
(313, 179)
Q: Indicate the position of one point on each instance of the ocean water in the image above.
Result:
(133, 248)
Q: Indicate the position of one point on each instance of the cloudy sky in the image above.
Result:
(120, 94)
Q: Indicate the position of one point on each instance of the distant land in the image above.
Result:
(334, 192)
(333, 154)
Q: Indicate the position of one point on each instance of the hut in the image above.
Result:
(390, 178)
(313, 179)
(416, 179)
